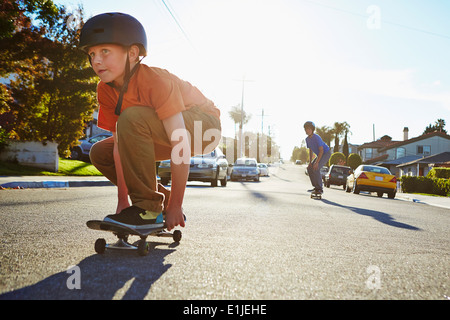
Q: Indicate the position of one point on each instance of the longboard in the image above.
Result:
(122, 234)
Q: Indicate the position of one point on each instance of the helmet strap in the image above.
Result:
(126, 80)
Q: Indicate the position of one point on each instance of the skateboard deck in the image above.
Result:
(122, 234)
(315, 195)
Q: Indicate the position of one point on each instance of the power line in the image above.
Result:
(381, 20)
(172, 14)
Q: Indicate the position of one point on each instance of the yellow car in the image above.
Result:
(373, 179)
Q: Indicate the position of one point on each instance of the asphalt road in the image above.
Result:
(249, 240)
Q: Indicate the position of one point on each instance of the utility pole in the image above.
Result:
(241, 126)
(262, 115)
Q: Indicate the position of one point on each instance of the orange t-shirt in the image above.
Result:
(154, 88)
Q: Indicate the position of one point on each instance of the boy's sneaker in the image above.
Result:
(136, 218)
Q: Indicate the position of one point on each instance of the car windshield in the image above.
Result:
(376, 170)
(341, 170)
(245, 163)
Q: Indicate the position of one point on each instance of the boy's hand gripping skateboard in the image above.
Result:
(122, 234)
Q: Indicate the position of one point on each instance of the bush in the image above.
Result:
(354, 160)
(337, 158)
(439, 173)
(428, 185)
(441, 186)
(3, 138)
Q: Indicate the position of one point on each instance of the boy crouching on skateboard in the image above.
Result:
(153, 116)
(318, 147)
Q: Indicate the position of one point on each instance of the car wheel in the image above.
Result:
(391, 195)
(76, 153)
(214, 180)
(380, 194)
(355, 188)
(347, 188)
(223, 182)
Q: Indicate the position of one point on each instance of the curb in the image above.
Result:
(411, 198)
(55, 184)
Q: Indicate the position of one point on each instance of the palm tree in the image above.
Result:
(235, 114)
(326, 133)
(340, 129)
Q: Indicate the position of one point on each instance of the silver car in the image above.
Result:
(211, 167)
(245, 169)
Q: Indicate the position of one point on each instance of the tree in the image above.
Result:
(235, 114)
(326, 133)
(339, 129)
(53, 85)
(345, 150)
(354, 160)
(438, 126)
(337, 158)
(301, 153)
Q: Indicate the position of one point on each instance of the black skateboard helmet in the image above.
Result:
(310, 124)
(113, 27)
(118, 28)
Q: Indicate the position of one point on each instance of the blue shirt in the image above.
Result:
(314, 142)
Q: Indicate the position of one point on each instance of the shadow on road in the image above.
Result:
(102, 276)
(377, 215)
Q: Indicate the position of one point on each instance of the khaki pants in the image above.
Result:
(143, 141)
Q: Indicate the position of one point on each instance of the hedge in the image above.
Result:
(337, 158)
(439, 186)
(439, 173)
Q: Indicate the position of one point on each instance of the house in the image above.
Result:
(371, 152)
(422, 166)
(392, 154)
(392, 165)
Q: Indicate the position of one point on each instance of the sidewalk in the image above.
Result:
(53, 181)
(442, 202)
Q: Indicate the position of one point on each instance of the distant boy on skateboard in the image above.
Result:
(158, 114)
(316, 146)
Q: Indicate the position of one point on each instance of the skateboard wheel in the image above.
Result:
(100, 246)
(143, 247)
(177, 235)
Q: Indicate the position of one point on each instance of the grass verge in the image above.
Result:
(66, 168)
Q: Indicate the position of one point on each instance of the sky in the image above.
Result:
(379, 65)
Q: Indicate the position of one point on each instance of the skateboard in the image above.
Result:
(122, 233)
(316, 195)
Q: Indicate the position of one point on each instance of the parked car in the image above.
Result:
(323, 172)
(81, 151)
(373, 179)
(337, 175)
(245, 169)
(211, 167)
(263, 170)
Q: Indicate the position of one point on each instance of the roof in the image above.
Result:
(436, 158)
(375, 160)
(397, 144)
(378, 144)
(402, 160)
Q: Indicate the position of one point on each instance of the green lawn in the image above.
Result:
(66, 168)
